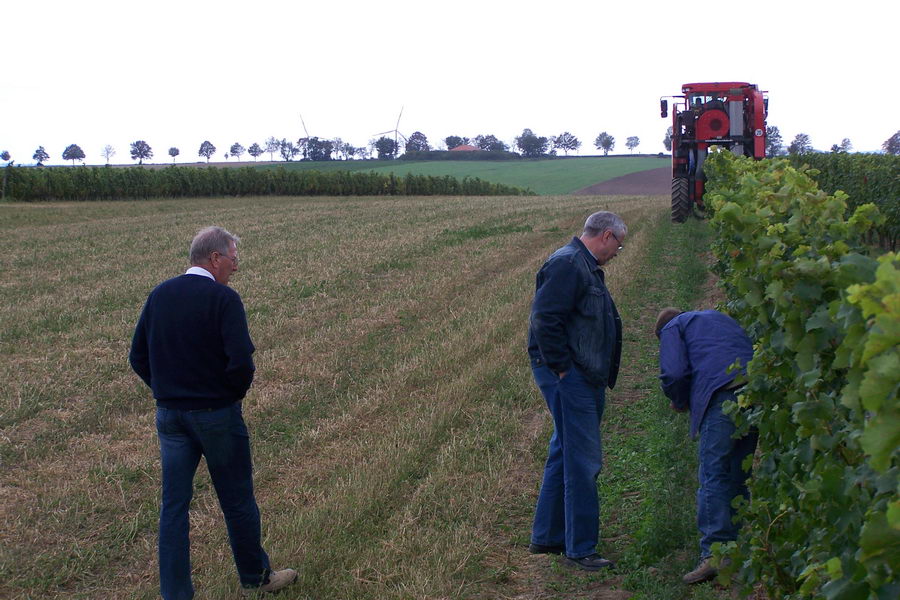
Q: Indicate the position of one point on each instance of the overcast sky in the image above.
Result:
(176, 73)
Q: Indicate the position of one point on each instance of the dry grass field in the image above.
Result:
(397, 435)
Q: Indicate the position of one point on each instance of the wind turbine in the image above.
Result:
(396, 131)
(304, 127)
(305, 141)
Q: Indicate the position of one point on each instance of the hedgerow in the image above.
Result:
(865, 178)
(92, 183)
(824, 516)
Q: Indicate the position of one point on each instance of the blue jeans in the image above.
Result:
(221, 436)
(568, 509)
(721, 476)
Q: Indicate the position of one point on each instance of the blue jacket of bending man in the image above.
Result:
(575, 344)
(696, 349)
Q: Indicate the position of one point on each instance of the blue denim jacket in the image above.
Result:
(574, 320)
(696, 351)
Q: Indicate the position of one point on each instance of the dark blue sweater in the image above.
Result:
(191, 344)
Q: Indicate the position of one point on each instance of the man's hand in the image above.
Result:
(562, 374)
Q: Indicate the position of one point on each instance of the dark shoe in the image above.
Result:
(542, 549)
(592, 562)
(277, 580)
(704, 572)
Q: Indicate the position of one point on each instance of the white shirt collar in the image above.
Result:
(199, 271)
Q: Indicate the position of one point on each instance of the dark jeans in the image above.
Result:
(221, 436)
(568, 508)
(722, 478)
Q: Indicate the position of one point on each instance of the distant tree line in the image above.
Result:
(802, 144)
(528, 145)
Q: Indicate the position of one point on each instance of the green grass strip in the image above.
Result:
(648, 484)
(649, 496)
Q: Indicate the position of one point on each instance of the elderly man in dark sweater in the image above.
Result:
(192, 347)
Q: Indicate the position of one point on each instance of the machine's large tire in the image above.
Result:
(681, 200)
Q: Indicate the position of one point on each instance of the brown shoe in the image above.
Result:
(277, 580)
(704, 572)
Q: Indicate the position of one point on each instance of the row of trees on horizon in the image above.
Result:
(528, 144)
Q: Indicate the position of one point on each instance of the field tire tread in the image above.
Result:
(681, 201)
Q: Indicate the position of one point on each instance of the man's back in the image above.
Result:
(713, 341)
(192, 346)
(696, 350)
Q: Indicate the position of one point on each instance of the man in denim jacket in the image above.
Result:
(575, 343)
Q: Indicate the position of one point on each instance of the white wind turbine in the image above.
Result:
(396, 132)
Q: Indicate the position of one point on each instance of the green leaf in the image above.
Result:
(806, 353)
(893, 514)
(777, 340)
(754, 297)
(850, 348)
(883, 336)
(811, 378)
(888, 271)
(819, 320)
(845, 589)
(835, 571)
(879, 541)
(811, 579)
(730, 213)
(855, 268)
(880, 380)
(808, 291)
(881, 439)
(775, 291)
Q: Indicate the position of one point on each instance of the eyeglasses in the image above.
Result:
(617, 239)
(233, 259)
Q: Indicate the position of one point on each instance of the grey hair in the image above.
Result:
(602, 221)
(209, 240)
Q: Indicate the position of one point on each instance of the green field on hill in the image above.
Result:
(542, 176)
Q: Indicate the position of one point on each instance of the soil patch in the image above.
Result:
(643, 183)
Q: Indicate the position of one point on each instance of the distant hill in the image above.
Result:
(548, 176)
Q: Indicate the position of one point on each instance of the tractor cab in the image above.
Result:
(700, 101)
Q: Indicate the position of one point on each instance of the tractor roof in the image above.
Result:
(714, 86)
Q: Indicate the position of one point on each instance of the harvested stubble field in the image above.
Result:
(397, 436)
